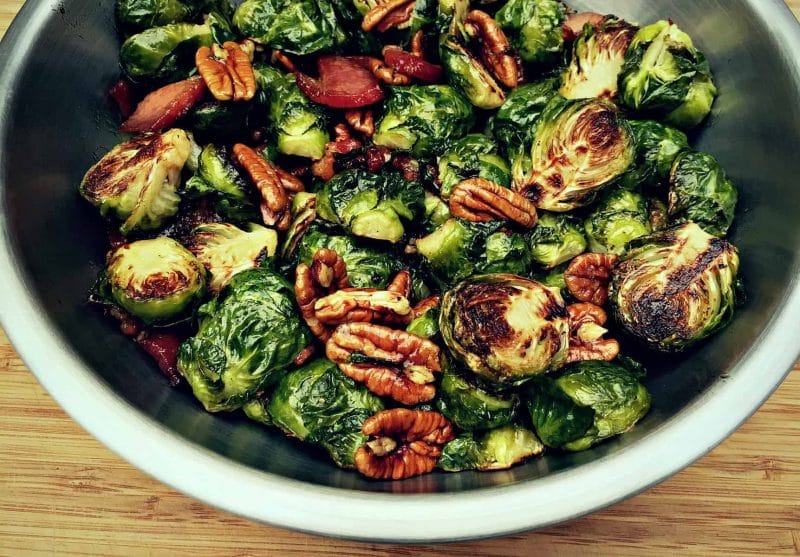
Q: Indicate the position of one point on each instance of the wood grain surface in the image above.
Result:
(62, 493)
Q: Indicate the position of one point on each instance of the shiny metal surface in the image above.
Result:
(56, 64)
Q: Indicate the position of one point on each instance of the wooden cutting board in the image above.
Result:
(63, 493)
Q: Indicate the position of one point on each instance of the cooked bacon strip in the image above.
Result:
(161, 108)
(412, 66)
(342, 83)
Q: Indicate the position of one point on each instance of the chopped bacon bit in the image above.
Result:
(412, 66)
(163, 347)
(342, 83)
(123, 96)
(161, 108)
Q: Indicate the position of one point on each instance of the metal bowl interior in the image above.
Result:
(57, 63)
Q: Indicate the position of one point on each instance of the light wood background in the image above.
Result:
(62, 493)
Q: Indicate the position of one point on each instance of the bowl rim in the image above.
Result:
(344, 513)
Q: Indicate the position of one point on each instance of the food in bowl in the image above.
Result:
(416, 235)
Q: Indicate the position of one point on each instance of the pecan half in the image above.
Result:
(326, 275)
(389, 362)
(387, 14)
(479, 200)
(496, 51)
(305, 355)
(343, 143)
(228, 70)
(361, 120)
(279, 57)
(401, 284)
(275, 206)
(403, 443)
(418, 44)
(385, 73)
(363, 305)
(588, 277)
(586, 340)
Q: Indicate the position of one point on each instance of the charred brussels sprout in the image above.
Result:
(473, 156)
(217, 177)
(534, 29)
(367, 266)
(666, 77)
(657, 146)
(588, 402)
(248, 338)
(514, 124)
(556, 239)
(505, 328)
(472, 408)
(164, 53)
(700, 191)
(155, 280)
(143, 14)
(469, 76)
(423, 119)
(597, 59)
(459, 249)
(304, 212)
(579, 148)
(220, 119)
(300, 127)
(320, 405)
(371, 205)
(676, 287)
(498, 449)
(138, 179)
(620, 218)
(225, 250)
(296, 26)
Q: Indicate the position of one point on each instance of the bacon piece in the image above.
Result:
(163, 347)
(123, 96)
(342, 83)
(576, 22)
(412, 66)
(161, 108)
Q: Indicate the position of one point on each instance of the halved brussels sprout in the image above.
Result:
(498, 449)
(218, 177)
(300, 127)
(248, 337)
(556, 240)
(256, 410)
(505, 328)
(666, 77)
(423, 119)
(469, 76)
(320, 405)
(579, 148)
(534, 29)
(225, 250)
(473, 156)
(371, 205)
(588, 402)
(164, 53)
(700, 191)
(143, 14)
(138, 179)
(597, 59)
(657, 146)
(676, 287)
(304, 212)
(459, 249)
(620, 218)
(472, 408)
(437, 212)
(155, 280)
(296, 26)
(514, 124)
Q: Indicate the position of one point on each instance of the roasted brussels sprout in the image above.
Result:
(700, 191)
(472, 408)
(304, 212)
(423, 119)
(469, 76)
(217, 177)
(534, 29)
(597, 59)
(299, 126)
(367, 266)
(155, 280)
(138, 179)
(249, 336)
(220, 119)
(657, 146)
(256, 410)
(666, 77)
(514, 124)
(588, 402)
(143, 14)
(320, 405)
(473, 156)
(676, 287)
(296, 26)
(556, 239)
(579, 148)
(225, 250)
(620, 218)
(459, 249)
(437, 212)
(498, 449)
(164, 53)
(371, 205)
(505, 328)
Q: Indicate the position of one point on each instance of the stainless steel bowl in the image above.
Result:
(57, 62)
